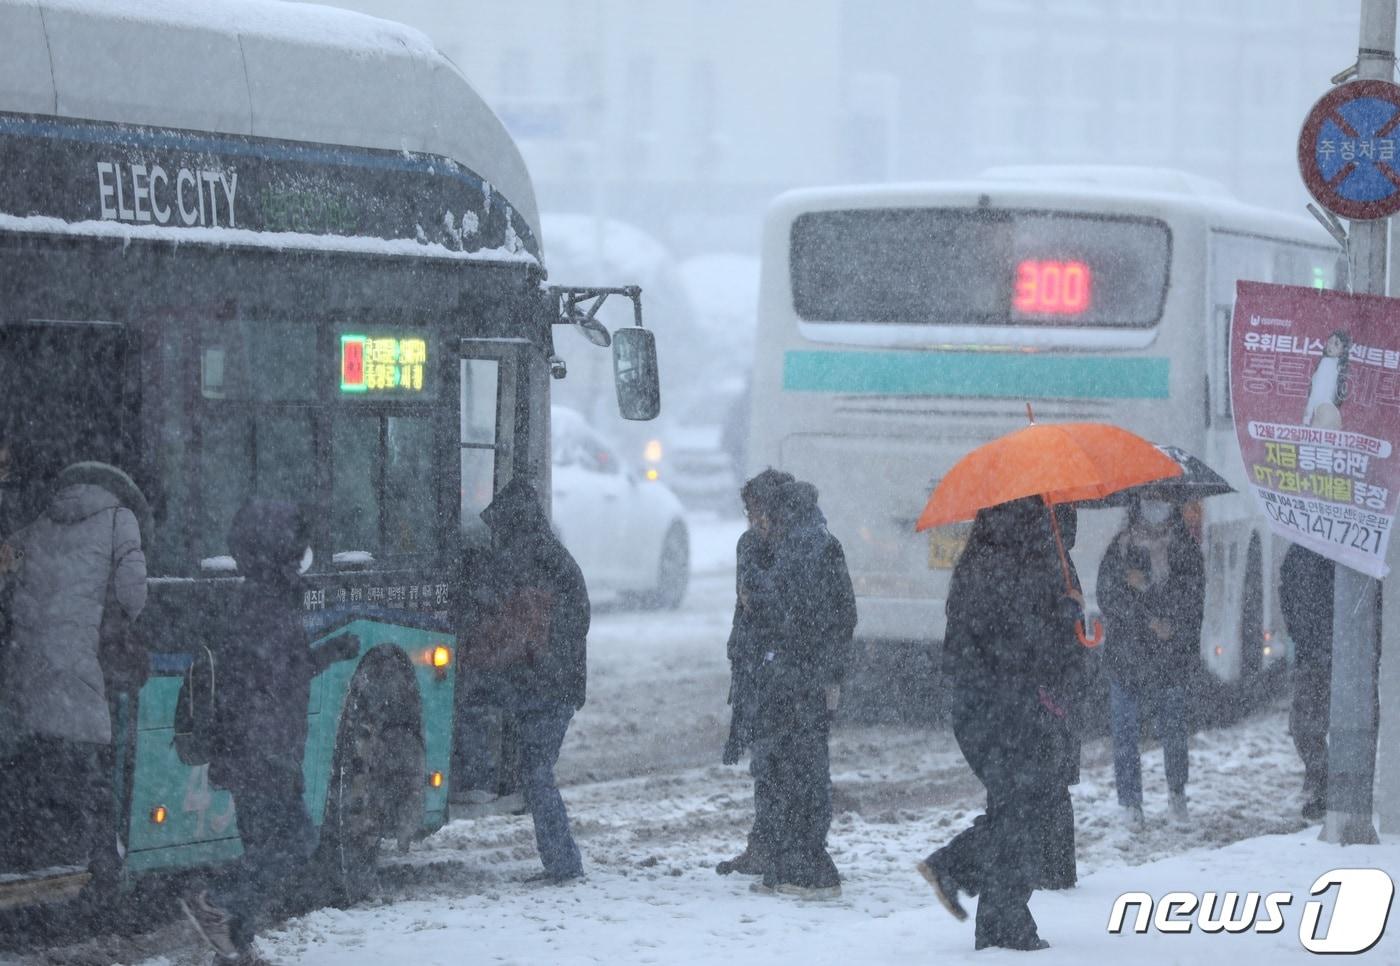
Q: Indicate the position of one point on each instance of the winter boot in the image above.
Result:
(1031, 944)
(745, 863)
(1176, 808)
(943, 886)
(765, 886)
(552, 878)
(814, 878)
(810, 891)
(213, 924)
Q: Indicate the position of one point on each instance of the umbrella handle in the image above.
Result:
(1084, 638)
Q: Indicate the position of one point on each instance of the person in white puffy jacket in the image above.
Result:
(54, 718)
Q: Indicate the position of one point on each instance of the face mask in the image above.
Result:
(1156, 513)
(305, 562)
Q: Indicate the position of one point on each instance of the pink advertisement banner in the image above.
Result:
(1315, 391)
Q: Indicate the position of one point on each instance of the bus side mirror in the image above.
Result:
(635, 373)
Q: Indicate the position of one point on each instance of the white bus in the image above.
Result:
(902, 325)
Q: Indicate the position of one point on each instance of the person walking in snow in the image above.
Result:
(1152, 592)
(753, 558)
(804, 608)
(1306, 581)
(539, 640)
(1011, 659)
(265, 670)
(55, 724)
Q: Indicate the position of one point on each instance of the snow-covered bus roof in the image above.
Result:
(1067, 185)
(262, 69)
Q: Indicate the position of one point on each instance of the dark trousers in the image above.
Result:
(763, 837)
(1307, 721)
(542, 733)
(56, 799)
(1059, 869)
(1166, 705)
(792, 753)
(278, 841)
(1001, 857)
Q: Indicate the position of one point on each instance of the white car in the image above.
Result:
(626, 532)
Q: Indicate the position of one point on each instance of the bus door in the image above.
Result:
(490, 374)
(67, 398)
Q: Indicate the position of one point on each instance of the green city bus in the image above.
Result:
(286, 254)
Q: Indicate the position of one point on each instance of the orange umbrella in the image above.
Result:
(1060, 463)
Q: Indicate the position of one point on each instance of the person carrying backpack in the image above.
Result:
(264, 674)
(535, 641)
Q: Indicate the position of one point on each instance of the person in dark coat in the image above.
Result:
(1152, 592)
(1012, 661)
(804, 607)
(1059, 867)
(66, 571)
(542, 658)
(264, 672)
(753, 558)
(1306, 581)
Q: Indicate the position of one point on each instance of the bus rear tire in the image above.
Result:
(375, 779)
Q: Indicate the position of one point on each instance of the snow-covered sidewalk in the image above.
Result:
(652, 897)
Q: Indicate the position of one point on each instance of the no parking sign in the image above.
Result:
(1349, 150)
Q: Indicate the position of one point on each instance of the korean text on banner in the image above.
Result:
(1315, 388)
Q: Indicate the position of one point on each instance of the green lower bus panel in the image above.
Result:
(179, 821)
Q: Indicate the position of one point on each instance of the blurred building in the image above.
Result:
(1216, 88)
(685, 116)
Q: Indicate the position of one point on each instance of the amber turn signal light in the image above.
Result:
(159, 815)
(442, 656)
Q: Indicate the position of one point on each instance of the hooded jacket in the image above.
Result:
(803, 604)
(264, 663)
(530, 556)
(51, 680)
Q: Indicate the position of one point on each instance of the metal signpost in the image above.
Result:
(1347, 153)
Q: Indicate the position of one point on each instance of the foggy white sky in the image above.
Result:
(686, 116)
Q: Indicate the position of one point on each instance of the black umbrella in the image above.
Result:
(1197, 481)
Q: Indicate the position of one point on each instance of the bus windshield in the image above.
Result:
(960, 266)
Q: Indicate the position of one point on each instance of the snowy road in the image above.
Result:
(652, 813)
(657, 680)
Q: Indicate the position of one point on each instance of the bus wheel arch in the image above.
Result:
(375, 787)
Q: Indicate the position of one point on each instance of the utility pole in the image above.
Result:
(1351, 756)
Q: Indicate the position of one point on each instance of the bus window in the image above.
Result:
(243, 454)
(410, 506)
(485, 444)
(258, 360)
(382, 498)
(73, 407)
(354, 501)
(961, 267)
